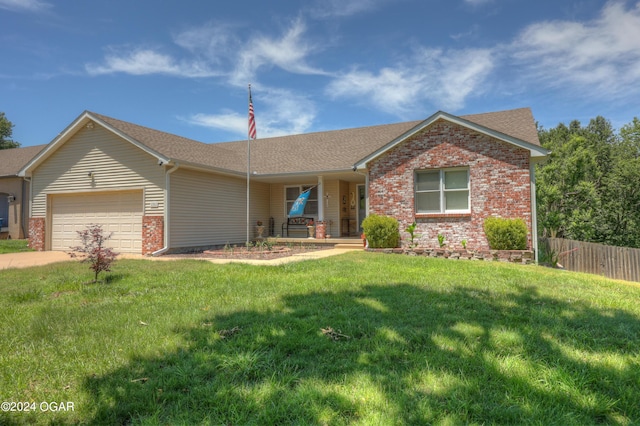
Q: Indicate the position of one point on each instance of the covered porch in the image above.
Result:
(338, 199)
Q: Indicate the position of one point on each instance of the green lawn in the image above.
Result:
(406, 341)
(13, 246)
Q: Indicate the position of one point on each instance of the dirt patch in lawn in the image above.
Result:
(242, 252)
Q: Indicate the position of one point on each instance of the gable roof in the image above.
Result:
(13, 159)
(515, 127)
(166, 147)
(336, 150)
(172, 148)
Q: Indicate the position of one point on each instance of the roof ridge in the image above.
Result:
(399, 123)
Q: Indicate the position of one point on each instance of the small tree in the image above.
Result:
(6, 130)
(93, 250)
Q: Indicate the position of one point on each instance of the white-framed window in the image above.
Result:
(292, 192)
(442, 191)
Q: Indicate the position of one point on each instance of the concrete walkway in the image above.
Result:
(37, 258)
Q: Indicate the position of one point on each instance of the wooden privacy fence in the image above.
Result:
(621, 263)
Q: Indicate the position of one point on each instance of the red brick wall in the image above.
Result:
(499, 183)
(152, 233)
(36, 233)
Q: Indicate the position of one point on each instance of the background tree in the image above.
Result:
(589, 189)
(6, 130)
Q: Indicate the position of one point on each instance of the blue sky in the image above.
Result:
(183, 66)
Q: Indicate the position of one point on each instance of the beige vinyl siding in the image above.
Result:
(277, 207)
(332, 207)
(115, 163)
(210, 209)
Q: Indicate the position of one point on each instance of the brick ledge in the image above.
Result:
(512, 256)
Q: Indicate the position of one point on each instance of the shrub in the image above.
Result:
(506, 234)
(93, 250)
(381, 231)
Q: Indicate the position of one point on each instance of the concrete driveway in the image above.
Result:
(31, 258)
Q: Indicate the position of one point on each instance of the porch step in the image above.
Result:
(350, 246)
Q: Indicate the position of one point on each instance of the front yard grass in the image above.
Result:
(13, 246)
(362, 338)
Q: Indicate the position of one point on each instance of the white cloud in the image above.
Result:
(602, 56)
(477, 2)
(215, 50)
(278, 112)
(288, 52)
(215, 41)
(444, 78)
(147, 61)
(25, 5)
(343, 8)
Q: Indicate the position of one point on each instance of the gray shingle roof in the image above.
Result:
(12, 160)
(175, 147)
(335, 150)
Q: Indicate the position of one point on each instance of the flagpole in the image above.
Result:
(248, 162)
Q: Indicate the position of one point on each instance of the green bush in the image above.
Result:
(506, 234)
(381, 231)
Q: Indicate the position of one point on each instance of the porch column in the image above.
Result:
(320, 198)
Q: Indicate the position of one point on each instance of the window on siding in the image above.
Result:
(442, 191)
(292, 192)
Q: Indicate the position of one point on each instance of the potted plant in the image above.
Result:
(311, 227)
(259, 230)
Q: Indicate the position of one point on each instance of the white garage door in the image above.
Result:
(118, 212)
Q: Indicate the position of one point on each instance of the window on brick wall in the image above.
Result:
(442, 191)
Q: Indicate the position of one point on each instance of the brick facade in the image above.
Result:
(499, 183)
(152, 234)
(37, 233)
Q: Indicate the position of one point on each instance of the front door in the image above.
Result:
(362, 207)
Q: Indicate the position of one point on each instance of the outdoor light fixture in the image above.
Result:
(90, 174)
(11, 198)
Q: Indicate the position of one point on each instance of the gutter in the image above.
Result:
(166, 211)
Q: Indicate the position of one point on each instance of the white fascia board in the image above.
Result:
(71, 130)
(535, 150)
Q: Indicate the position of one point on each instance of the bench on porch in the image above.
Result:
(295, 224)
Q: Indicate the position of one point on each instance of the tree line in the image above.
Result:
(589, 187)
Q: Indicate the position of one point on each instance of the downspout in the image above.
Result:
(166, 211)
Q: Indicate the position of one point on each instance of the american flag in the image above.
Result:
(252, 118)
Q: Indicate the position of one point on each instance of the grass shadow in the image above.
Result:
(407, 355)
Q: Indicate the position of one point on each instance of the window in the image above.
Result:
(442, 191)
(292, 192)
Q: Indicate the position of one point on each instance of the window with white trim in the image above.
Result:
(291, 193)
(442, 191)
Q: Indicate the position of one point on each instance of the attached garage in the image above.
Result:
(119, 213)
